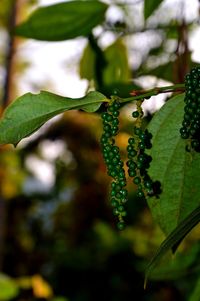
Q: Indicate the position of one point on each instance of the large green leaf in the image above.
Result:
(175, 237)
(87, 63)
(177, 170)
(30, 111)
(181, 265)
(117, 67)
(63, 21)
(8, 288)
(150, 6)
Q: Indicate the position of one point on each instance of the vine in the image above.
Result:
(138, 161)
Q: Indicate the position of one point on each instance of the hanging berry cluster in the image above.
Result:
(138, 161)
(111, 154)
(190, 129)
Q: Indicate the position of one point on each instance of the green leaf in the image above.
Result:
(117, 67)
(182, 264)
(176, 169)
(8, 288)
(150, 6)
(87, 63)
(63, 21)
(175, 237)
(30, 111)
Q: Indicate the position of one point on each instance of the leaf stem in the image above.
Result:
(141, 94)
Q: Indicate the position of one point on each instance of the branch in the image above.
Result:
(141, 94)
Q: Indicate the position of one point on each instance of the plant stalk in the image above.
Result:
(141, 94)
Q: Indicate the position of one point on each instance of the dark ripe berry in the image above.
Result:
(124, 193)
(114, 132)
(148, 184)
(187, 77)
(118, 187)
(135, 114)
(188, 148)
(115, 128)
(120, 208)
(195, 126)
(115, 122)
(108, 147)
(193, 105)
(113, 173)
(187, 116)
(141, 158)
(122, 183)
(143, 136)
(115, 113)
(131, 164)
(104, 139)
(114, 202)
(104, 115)
(137, 180)
(192, 132)
(132, 153)
(137, 131)
(115, 161)
(123, 213)
(116, 105)
(111, 154)
(108, 134)
(121, 225)
(185, 135)
(140, 193)
(142, 145)
(129, 148)
(107, 127)
(109, 118)
(115, 211)
(132, 173)
(121, 174)
(150, 136)
(195, 144)
(115, 149)
(185, 123)
(193, 95)
(183, 130)
(131, 141)
(111, 109)
(124, 201)
(113, 184)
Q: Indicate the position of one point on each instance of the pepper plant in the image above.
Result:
(163, 158)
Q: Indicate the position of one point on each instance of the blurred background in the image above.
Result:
(58, 239)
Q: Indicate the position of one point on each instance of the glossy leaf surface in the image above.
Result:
(63, 21)
(30, 111)
(175, 168)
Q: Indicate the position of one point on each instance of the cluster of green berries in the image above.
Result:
(114, 163)
(138, 161)
(190, 129)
